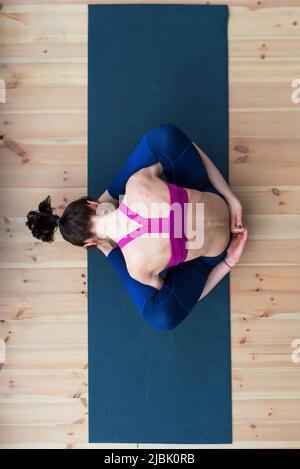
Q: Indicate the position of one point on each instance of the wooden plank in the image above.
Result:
(61, 412)
(260, 96)
(265, 123)
(69, 411)
(273, 226)
(242, 150)
(264, 331)
(262, 150)
(266, 410)
(43, 383)
(65, 332)
(266, 382)
(264, 304)
(235, 445)
(56, 100)
(268, 431)
(41, 176)
(247, 384)
(263, 174)
(244, 49)
(72, 74)
(33, 25)
(56, 280)
(262, 355)
(29, 27)
(243, 95)
(46, 357)
(257, 70)
(264, 48)
(44, 75)
(266, 279)
(66, 306)
(260, 252)
(44, 52)
(68, 435)
(67, 356)
(44, 306)
(42, 256)
(269, 200)
(80, 5)
(274, 21)
(42, 153)
(17, 126)
(28, 199)
(242, 123)
(73, 331)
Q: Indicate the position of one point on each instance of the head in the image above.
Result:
(75, 224)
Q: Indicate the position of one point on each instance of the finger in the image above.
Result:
(238, 230)
(233, 224)
(239, 221)
(88, 244)
(92, 203)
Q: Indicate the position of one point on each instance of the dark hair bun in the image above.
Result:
(42, 223)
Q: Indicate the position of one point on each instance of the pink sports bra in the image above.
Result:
(174, 224)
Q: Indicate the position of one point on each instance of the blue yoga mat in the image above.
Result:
(148, 64)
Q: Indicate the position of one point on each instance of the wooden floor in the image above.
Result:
(43, 384)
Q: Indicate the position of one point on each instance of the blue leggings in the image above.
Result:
(164, 309)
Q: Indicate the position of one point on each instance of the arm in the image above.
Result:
(164, 309)
(234, 253)
(215, 276)
(215, 176)
(218, 181)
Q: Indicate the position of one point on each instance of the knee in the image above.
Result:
(167, 140)
(165, 316)
(164, 131)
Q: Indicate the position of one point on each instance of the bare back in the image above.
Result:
(148, 195)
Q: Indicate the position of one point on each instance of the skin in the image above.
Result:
(148, 255)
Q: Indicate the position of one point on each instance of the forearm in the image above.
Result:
(214, 277)
(215, 177)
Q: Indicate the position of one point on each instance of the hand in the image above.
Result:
(236, 247)
(236, 210)
(104, 245)
(93, 204)
(106, 197)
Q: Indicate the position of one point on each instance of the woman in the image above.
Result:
(131, 240)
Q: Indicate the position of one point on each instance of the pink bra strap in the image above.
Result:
(148, 225)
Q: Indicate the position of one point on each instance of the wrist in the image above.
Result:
(229, 262)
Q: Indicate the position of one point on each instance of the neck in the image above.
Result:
(106, 226)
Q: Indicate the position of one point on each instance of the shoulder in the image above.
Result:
(146, 277)
(139, 184)
(137, 271)
(144, 175)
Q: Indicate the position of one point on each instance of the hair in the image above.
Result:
(74, 224)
